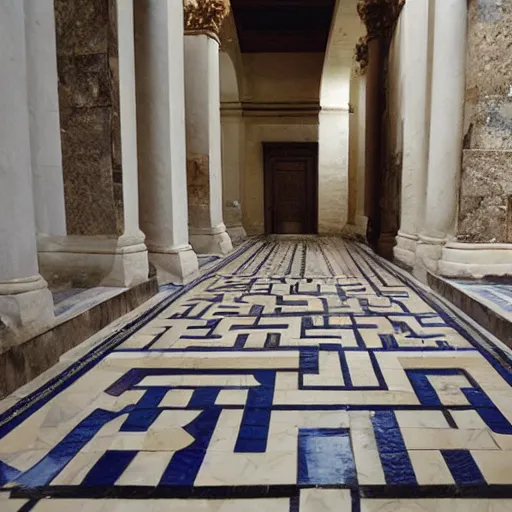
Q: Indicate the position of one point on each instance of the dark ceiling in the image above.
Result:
(283, 25)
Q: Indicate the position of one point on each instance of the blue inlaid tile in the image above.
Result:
(52, 464)
(423, 388)
(185, 464)
(257, 413)
(309, 360)
(463, 467)
(395, 460)
(109, 468)
(325, 457)
(7, 473)
(140, 420)
(204, 397)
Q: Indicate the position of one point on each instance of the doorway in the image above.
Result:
(291, 177)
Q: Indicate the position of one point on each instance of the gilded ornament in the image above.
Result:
(205, 16)
(361, 55)
(379, 16)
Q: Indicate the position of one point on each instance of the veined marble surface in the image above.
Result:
(299, 374)
(495, 295)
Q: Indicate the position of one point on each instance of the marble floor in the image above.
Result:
(297, 375)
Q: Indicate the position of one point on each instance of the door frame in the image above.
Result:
(276, 149)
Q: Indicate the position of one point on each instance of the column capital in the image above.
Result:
(205, 16)
(379, 16)
(361, 56)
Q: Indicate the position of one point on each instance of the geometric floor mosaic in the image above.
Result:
(297, 375)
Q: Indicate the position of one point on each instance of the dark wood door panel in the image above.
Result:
(290, 188)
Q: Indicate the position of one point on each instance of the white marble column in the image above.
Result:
(446, 121)
(202, 108)
(43, 106)
(161, 138)
(415, 134)
(24, 296)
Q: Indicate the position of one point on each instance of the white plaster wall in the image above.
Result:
(233, 143)
(282, 82)
(269, 129)
(333, 170)
(282, 77)
(334, 186)
(228, 80)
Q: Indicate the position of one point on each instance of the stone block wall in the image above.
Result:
(485, 209)
(87, 60)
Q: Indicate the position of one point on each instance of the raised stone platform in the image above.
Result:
(22, 360)
(488, 302)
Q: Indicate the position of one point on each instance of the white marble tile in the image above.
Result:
(421, 419)
(496, 467)
(137, 341)
(364, 446)
(329, 371)
(468, 419)
(325, 500)
(199, 380)
(437, 505)
(448, 388)
(13, 505)
(232, 397)
(447, 439)
(273, 468)
(146, 468)
(76, 470)
(430, 468)
(361, 369)
(503, 441)
(177, 398)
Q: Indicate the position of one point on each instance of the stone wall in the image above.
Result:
(87, 59)
(485, 210)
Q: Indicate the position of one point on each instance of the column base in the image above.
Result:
(361, 224)
(385, 245)
(211, 240)
(174, 264)
(429, 252)
(475, 261)
(87, 261)
(237, 234)
(405, 249)
(26, 303)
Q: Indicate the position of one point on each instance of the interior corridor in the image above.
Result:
(298, 374)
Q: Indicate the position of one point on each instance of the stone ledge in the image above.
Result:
(485, 316)
(22, 362)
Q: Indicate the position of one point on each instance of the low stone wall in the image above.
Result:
(23, 362)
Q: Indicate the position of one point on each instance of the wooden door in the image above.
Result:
(291, 176)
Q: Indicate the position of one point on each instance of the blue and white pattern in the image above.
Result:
(297, 375)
